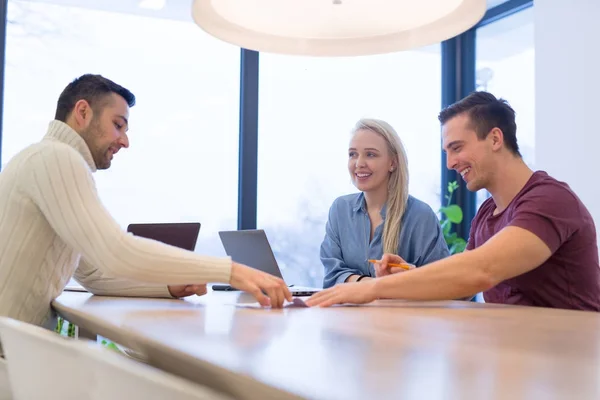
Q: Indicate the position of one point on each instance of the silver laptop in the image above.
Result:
(252, 248)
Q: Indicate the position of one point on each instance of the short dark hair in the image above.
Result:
(92, 88)
(486, 112)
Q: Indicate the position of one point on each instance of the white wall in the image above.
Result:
(567, 81)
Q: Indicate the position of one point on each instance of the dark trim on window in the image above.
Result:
(504, 10)
(3, 24)
(458, 80)
(248, 142)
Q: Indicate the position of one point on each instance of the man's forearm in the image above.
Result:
(73, 209)
(455, 277)
(97, 282)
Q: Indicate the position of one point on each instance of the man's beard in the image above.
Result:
(102, 161)
(91, 136)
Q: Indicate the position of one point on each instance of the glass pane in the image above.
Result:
(494, 3)
(505, 67)
(182, 163)
(307, 108)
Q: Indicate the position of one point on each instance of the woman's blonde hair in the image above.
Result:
(397, 184)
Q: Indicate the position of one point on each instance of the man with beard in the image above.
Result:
(53, 224)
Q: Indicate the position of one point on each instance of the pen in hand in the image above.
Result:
(403, 266)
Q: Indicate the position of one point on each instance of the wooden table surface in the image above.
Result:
(385, 350)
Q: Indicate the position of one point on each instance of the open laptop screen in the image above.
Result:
(251, 247)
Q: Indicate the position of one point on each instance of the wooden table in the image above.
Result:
(386, 350)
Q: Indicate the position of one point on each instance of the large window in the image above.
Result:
(307, 108)
(182, 163)
(505, 67)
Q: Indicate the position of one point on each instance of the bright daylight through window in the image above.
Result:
(182, 163)
(505, 67)
(307, 108)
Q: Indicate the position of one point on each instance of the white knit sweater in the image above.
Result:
(54, 226)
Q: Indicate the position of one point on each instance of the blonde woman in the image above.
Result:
(382, 217)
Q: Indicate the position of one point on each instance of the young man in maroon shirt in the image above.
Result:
(532, 243)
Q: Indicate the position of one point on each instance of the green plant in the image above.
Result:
(110, 345)
(63, 329)
(66, 328)
(452, 214)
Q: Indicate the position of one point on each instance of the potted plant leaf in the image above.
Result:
(452, 214)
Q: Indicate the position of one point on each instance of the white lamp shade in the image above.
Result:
(336, 27)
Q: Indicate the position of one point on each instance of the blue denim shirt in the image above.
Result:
(346, 247)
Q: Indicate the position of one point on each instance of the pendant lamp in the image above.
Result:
(335, 27)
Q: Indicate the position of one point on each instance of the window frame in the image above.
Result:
(458, 80)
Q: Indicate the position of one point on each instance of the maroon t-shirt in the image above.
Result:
(570, 278)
